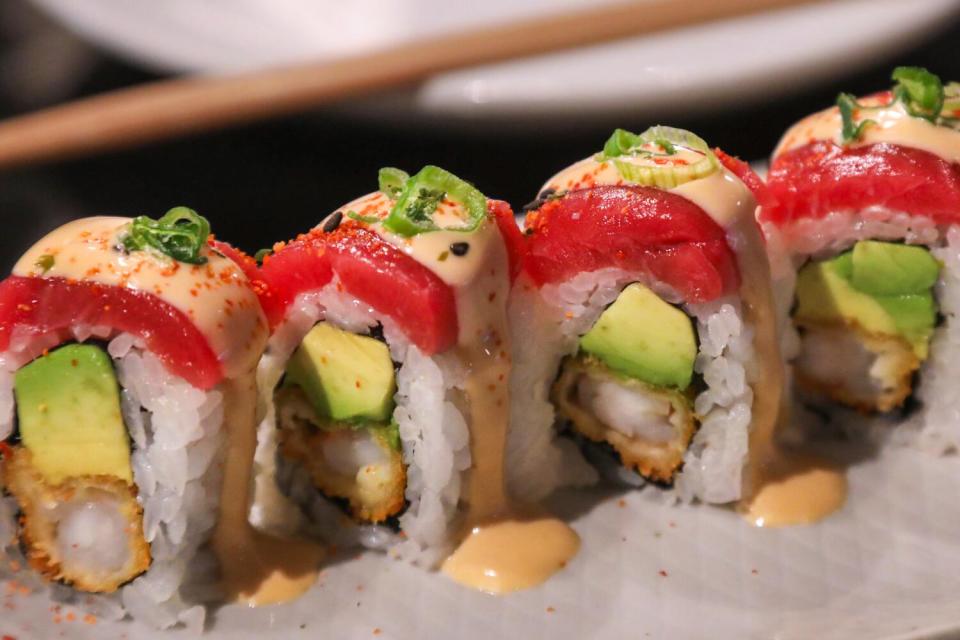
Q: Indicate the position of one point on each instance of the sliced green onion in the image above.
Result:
(951, 105)
(620, 143)
(353, 215)
(920, 91)
(261, 254)
(848, 105)
(180, 234)
(45, 262)
(391, 181)
(626, 144)
(667, 176)
(421, 196)
(667, 146)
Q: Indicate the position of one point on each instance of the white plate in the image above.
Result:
(692, 69)
(887, 566)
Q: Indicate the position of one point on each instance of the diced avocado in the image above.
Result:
(848, 289)
(824, 295)
(915, 316)
(345, 376)
(644, 337)
(887, 269)
(68, 406)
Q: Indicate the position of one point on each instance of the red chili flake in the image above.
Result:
(106, 307)
(90, 619)
(45, 353)
(24, 307)
(171, 269)
(754, 572)
(663, 574)
(377, 631)
(359, 587)
(550, 609)
(74, 363)
(9, 638)
(71, 617)
(357, 384)
(621, 503)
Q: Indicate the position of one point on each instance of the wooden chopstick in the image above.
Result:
(178, 107)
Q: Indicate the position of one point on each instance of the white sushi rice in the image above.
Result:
(176, 432)
(935, 426)
(547, 324)
(434, 435)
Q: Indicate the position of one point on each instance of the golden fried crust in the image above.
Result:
(893, 366)
(655, 461)
(373, 495)
(38, 528)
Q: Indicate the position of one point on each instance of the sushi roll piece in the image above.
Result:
(384, 382)
(865, 201)
(644, 323)
(126, 348)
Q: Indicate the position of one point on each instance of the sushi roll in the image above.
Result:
(384, 382)
(865, 201)
(126, 348)
(643, 322)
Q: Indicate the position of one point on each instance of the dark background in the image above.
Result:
(267, 182)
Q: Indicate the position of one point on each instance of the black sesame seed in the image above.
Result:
(460, 248)
(333, 222)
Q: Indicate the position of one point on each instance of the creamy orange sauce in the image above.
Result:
(510, 555)
(215, 296)
(480, 279)
(491, 518)
(256, 568)
(769, 470)
(893, 125)
(795, 489)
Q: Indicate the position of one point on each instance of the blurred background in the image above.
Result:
(506, 127)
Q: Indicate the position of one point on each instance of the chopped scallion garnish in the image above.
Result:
(391, 181)
(422, 195)
(623, 145)
(922, 94)
(920, 91)
(848, 112)
(353, 215)
(180, 234)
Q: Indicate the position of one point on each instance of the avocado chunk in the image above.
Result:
(881, 287)
(885, 269)
(345, 376)
(642, 336)
(68, 407)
